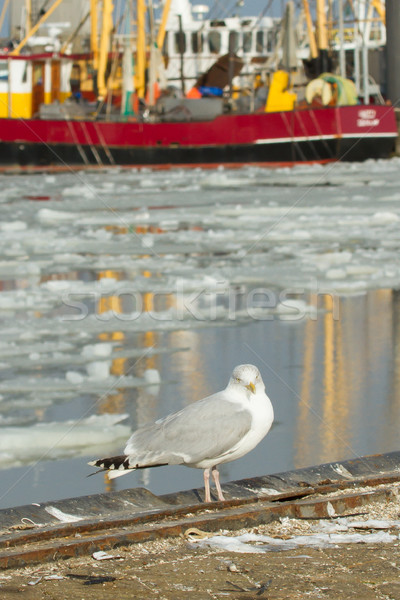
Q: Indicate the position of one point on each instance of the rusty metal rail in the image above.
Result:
(121, 518)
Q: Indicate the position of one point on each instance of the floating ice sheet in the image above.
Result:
(47, 441)
(74, 381)
(30, 357)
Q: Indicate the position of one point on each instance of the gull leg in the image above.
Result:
(207, 496)
(215, 476)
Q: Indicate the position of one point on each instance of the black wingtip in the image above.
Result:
(110, 463)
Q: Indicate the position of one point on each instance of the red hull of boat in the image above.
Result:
(312, 135)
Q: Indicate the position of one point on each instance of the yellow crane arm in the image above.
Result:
(380, 9)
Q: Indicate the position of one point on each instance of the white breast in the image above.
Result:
(262, 418)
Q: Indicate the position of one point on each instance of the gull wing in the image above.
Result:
(206, 429)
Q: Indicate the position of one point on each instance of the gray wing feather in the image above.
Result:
(206, 429)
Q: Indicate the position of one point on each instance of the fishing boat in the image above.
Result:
(63, 108)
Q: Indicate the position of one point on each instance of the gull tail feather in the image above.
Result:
(119, 465)
(115, 465)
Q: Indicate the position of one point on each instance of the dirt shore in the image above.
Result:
(182, 568)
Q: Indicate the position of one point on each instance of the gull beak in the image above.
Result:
(251, 387)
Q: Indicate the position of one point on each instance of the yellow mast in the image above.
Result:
(94, 45)
(163, 24)
(106, 28)
(310, 30)
(141, 49)
(34, 29)
(28, 8)
(322, 36)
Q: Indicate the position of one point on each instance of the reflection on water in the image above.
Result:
(349, 380)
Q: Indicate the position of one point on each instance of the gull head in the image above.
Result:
(246, 377)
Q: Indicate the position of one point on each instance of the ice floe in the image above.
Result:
(48, 441)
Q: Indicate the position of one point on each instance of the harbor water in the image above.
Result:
(126, 294)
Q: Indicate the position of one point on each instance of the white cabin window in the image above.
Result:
(165, 45)
(3, 71)
(197, 42)
(233, 41)
(260, 41)
(25, 73)
(180, 42)
(247, 41)
(214, 42)
(270, 41)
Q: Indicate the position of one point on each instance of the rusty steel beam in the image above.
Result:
(36, 548)
(146, 518)
(137, 515)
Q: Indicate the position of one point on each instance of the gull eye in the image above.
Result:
(238, 380)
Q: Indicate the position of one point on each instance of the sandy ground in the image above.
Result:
(173, 571)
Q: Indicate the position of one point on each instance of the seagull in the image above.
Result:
(212, 431)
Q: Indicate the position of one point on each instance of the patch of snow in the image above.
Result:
(62, 516)
(255, 543)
